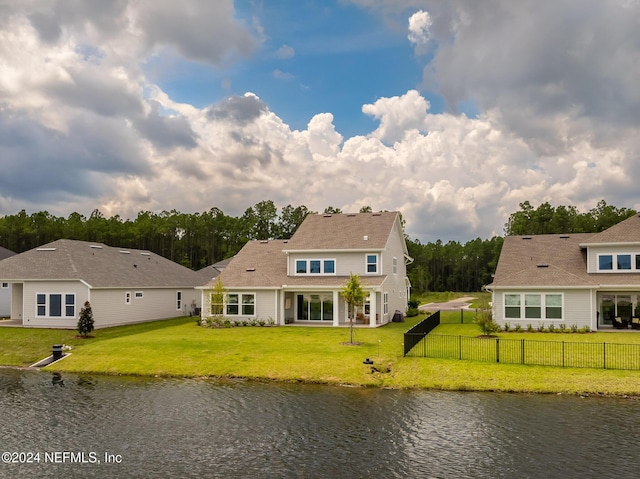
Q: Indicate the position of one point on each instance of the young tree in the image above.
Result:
(353, 295)
(217, 303)
(85, 322)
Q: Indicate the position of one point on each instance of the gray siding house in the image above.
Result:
(588, 280)
(5, 288)
(51, 283)
(299, 280)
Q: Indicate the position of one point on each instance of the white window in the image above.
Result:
(138, 294)
(372, 263)
(620, 262)
(385, 303)
(127, 297)
(241, 304)
(178, 300)
(5, 285)
(536, 306)
(395, 265)
(56, 305)
(315, 266)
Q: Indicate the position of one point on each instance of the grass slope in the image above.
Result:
(316, 354)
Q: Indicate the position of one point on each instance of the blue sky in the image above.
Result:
(317, 56)
(452, 113)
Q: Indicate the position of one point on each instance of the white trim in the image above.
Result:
(523, 306)
(366, 264)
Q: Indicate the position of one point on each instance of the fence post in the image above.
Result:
(604, 355)
(522, 341)
(461, 316)
(562, 353)
(460, 347)
(497, 350)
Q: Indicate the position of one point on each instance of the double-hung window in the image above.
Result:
(372, 263)
(241, 304)
(536, 306)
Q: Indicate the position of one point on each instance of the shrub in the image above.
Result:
(506, 327)
(541, 327)
(552, 328)
(484, 319)
(412, 312)
(85, 321)
(518, 328)
(574, 328)
(413, 303)
(529, 328)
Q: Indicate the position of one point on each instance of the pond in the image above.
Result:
(101, 426)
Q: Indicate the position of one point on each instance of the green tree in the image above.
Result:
(216, 300)
(353, 295)
(85, 321)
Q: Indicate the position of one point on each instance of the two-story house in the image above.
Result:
(299, 280)
(585, 279)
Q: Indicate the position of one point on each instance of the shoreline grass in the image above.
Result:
(180, 348)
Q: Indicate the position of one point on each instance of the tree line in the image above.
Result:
(196, 240)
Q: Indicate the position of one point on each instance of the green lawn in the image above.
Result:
(180, 348)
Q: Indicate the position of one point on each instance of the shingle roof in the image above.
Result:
(213, 270)
(357, 231)
(627, 231)
(551, 260)
(5, 253)
(263, 264)
(99, 265)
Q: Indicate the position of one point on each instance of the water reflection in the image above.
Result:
(205, 428)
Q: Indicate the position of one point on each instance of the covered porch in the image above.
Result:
(618, 309)
(327, 307)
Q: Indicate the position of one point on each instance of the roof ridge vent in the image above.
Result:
(376, 214)
(564, 236)
(543, 265)
(125, 252)
(327, 215)
(351, 215)
(251, 269)
(527, 237)
(145, 253)
(95, 246)
(45, 249)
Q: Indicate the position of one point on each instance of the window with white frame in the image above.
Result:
(315, 266)
(533, 306)
(385, 303)
(241, 304)
(138, 294)
(127, 297)
(395, 265)
(178, 300)
(619, 262)
(372, 263)
(4, 285)
(56, 305)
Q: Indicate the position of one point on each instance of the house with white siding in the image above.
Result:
(5, 288)
(588, 280)
(299, 280)
(50, 284)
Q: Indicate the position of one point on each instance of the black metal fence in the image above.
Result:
(420, 330)
(525, 351)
